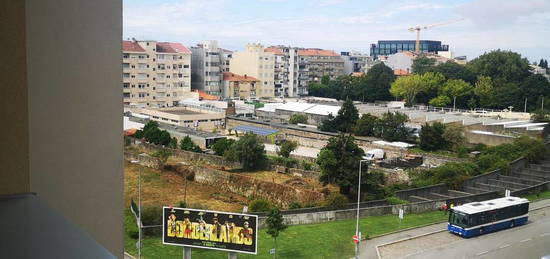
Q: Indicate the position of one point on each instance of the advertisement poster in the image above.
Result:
(224, 231)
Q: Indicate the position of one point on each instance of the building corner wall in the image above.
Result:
(75, 106)
(14, 176)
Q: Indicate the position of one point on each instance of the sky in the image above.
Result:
(476, 26)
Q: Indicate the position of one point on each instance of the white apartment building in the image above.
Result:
(209, 61)
(256, 62)
(355, 61)
(286, 70)
(155, 74)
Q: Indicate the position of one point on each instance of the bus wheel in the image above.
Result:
(481, 230)
(512, 224)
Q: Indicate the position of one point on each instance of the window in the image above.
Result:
(203, 120)
(142, 76)
(185, 66)
(126, 75)
(125, 65)
(125, 55)
(141, 85)
(126, 85)
(143, 66)
(190, 121)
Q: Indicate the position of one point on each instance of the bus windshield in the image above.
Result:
(458, 218)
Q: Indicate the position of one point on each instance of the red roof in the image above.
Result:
(131, 46)
(228, 76)
(400, 72)
(205, 96)
(170, 47)
(274, 50)
(316, 52)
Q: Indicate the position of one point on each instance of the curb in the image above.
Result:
(427, 234)
(405, 229)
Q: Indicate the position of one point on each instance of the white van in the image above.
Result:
(374, 154)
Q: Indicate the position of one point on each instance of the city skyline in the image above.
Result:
(344, 25)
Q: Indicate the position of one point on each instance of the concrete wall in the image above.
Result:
(75, 106)
(490, 140)
(14, 154)
(61, 105)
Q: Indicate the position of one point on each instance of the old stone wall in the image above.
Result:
(253, 188)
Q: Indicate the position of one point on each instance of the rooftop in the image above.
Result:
(274, 50)
(177, 130)
(182, 111)
(170, 47)
(475, 207)
(228, 76)
(317, 52)
(131, 46)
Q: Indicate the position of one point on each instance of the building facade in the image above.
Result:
(239, 87)
(208, 63)
(155, 74)
(256, 62)
(388, 47)
(198, 118)
(355, 61)
(313, 64)
(286, 70)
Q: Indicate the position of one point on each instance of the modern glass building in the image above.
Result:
(388, 47)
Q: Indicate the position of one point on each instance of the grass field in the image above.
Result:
(538, 196)
(326, 240)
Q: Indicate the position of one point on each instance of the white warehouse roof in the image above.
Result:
(295, 106)
(323, 110)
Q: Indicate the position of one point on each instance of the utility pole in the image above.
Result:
(139, 207)
(525, 106)
(358, 205)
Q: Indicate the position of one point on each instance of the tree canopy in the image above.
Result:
(249, 151)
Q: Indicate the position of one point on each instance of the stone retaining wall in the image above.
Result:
(253, 188)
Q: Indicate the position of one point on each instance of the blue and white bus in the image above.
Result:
(476, 218)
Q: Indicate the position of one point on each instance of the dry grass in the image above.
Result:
(167, 188)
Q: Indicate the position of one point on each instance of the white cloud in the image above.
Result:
(323, 3)
(490, 14)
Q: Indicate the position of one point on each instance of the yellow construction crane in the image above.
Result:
(419, 28)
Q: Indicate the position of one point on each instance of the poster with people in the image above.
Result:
(224, 231)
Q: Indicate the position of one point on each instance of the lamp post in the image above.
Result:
(139, 208)
(358, 205)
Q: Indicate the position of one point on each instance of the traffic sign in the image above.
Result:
(355, 239)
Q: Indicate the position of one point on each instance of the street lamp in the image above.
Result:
(358, 204)
(139, 208)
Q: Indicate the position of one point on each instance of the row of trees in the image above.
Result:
(373, 86)
(391, 126)
(438, 136)
(497, 79)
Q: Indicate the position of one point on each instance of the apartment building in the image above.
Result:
(208, 62)
(285, 71)
(256, 62)
(355, 61)
(238, 86)
(155, 74)
(313, 64)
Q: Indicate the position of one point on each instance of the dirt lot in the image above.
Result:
(168, 188)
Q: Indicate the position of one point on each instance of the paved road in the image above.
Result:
(528, 241)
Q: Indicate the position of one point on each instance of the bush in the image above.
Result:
(283, 161)
(452, 174)
(151, 216)
(187, 144)
(490, 162)
(431, 137)
(336, 201)
(286, 148)
(392, 200)
(297, 118)
(259, 206)
(294, 205)
(308, 166)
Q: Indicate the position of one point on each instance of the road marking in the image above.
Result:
(543, 235)
(504, 246)
(482, 253)
(525, 240)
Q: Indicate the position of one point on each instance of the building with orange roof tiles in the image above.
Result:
(239, 86)
(256, 62)
(316, 63)
(155, 74)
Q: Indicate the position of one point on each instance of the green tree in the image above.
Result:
(275, 225)
(297, 118)
(484, 91)
(187, 144)
(345, 120)
(222, 145)
(378, 81)
(339, 163)
(423, 64)
(531, 89)
(440, 101)
(431, 137)
(453, 134)
(173, 143)
(453, 70)
(391, 126)
(366, 125)
(329, 124)
(456, 88)
(162, 156)
(286, 148)
(502, 66)
(249, 151)
(409, 87)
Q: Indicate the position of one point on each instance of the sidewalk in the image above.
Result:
(367, 250)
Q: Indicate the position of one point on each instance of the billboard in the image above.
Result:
(224, 231)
